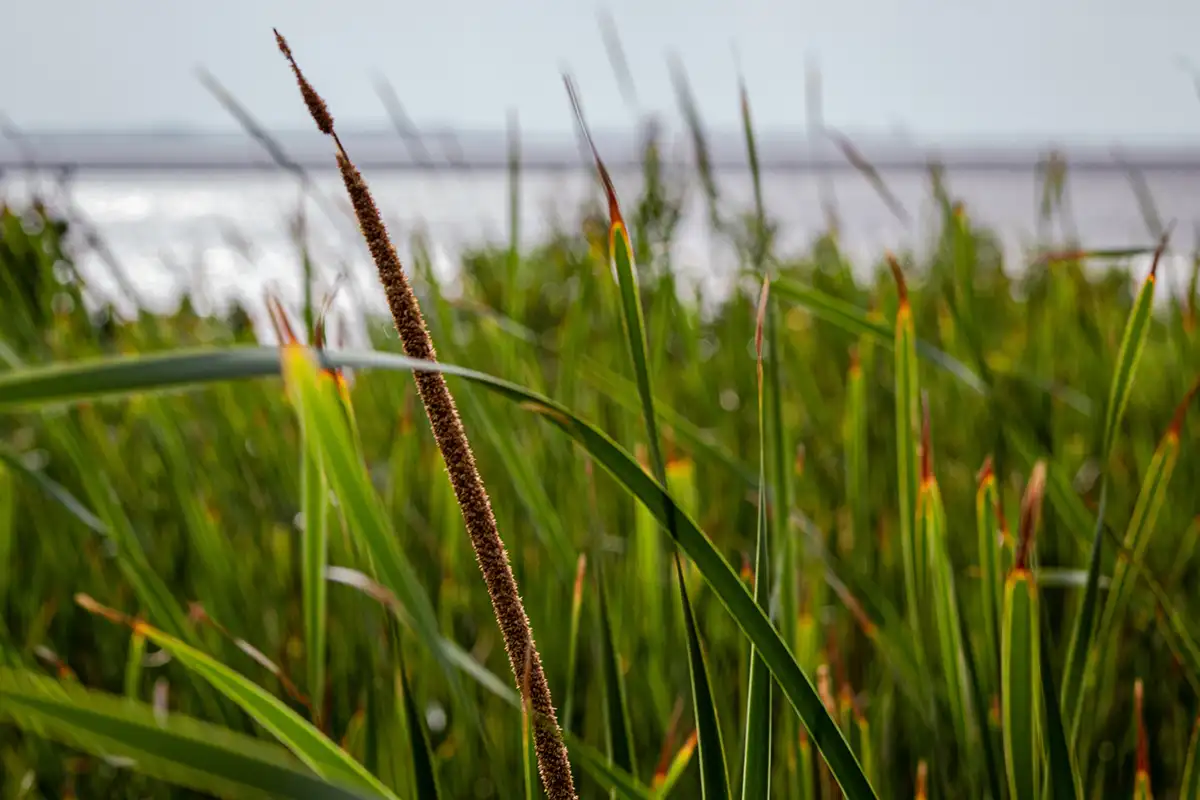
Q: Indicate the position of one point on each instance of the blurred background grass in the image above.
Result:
(208, 481)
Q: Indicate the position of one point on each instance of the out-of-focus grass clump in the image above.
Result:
(921, 634)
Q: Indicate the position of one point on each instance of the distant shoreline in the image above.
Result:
(478, 151)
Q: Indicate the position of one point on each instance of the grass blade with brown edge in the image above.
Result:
(621, 255)
(308, 744)
(122, 376)
(1021, 656)
(756, 759)
(987, 499)
(177, 749)
(1133, 341)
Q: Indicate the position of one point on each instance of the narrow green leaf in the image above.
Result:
(176, 748)
(424, 774)
(616, 710)
(1190, 785)
(756, 760)
(314, 491)
(1021, 665)
(1133, 341)
(72, 382)
(316, 751)
(714, 780)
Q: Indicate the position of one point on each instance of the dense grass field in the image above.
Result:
(308, 608)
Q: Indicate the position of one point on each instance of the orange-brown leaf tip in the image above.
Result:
(1031, 510)
(1143, 744)
(280, 321)
(986, 473)
(898, 274)
(760, 320)
(855, 361)
(1158, 253)
(922, 778)
(800, 460)
(1181, 410)
(580, 572)
(926, 441)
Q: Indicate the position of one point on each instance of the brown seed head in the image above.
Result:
(316, 105)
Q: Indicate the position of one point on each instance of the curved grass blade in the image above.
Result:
(55, 490)
(662, 789)
(1133, 341)
(73, 382)
(308, 744)
(176, 749)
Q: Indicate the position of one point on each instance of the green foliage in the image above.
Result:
(888, 625)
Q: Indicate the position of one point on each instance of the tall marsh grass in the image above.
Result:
(926, 534)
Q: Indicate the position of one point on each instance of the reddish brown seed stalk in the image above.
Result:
(553, 763)
(1031, 513)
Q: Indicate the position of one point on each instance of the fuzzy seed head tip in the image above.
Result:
(316, 105)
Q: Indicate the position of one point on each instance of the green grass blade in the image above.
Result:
(907, 398)
(591, 760)
(622, 260)
(1142, 522)
(308, 744)
(1133, 342)
(329, 438)
(128, 375)
(616, 710)
(1020, 667)
(314, 494)
(424, 774)
(175, 748)
(1190, 785)
(756, 760)
(1063, 777)
(855, 321)
(133, 665)
(992, 577)
(714, 780)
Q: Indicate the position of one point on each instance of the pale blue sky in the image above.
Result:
(1104, 69)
